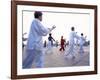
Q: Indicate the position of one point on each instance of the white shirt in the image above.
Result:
(37, 30)
(82, 40)
(73, 35)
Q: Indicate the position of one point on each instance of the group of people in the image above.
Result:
(73, 36)
(34, 48)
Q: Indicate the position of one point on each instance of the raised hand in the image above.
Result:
(53, 27)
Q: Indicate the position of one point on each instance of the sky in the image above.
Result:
(63, 22)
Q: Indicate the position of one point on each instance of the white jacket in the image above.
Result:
(73, 35)
(82, 40)
(37, 30)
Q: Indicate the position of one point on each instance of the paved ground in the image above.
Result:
(56, 58)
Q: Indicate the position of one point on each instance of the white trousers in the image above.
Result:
(33, 57)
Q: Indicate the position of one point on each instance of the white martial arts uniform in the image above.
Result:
(34, 48)
(71, 49)
(49, 45)
(49, 48)
(82, 41)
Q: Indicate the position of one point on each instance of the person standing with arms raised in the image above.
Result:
(34, 48)
(71, 50)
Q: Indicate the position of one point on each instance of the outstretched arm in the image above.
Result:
(53, 39)
(53, 27)
(76, 36)
(41, 30)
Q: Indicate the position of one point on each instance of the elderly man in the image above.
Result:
(34, 48)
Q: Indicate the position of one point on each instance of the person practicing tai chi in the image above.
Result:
(82, 41)
(50, 43)
(34, 47)
(45, 44)
(71, 50)
(62, 44)
(51, 39)
(57, 43)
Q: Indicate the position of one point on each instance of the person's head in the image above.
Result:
(38, 15)
(50, 34)
(61, 37)
(81, 34)
(72, 28)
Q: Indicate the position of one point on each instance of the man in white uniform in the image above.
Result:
(71, 49)
(82, 41)
(34, 48)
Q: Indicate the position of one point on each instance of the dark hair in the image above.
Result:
(50, 34)
(61, 36)
(81, 34)
(72, 28)
(37, 14)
